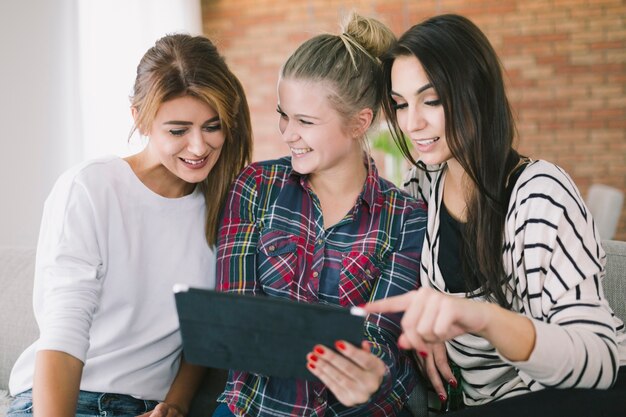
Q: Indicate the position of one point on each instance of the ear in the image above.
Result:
(363, 121)
(135, 114)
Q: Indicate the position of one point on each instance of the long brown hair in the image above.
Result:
(466, 73)
(183, 65)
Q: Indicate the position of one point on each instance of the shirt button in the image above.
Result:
(319, 400)
(272, 248)
(315, 274)
(368, 272)
(320, 241)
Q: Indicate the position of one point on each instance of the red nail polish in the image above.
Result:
(423, 354)
(340, 345)
(310, 365)
(313, 358)
(319, 350)
(442, 398)
(453, 383)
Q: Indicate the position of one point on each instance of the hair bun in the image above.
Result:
(371, 34)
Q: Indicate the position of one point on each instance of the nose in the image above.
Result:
(415, 120)
(196, 143)
(289, 133)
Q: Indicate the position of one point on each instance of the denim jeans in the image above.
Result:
(223, 411)
(90, 404)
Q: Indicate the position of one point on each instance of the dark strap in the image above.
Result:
(513, 176)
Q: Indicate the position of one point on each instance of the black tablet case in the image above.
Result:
(259, 334)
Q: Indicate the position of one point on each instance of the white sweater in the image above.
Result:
(555, 263)
(109, 252)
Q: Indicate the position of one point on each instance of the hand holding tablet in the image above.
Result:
(258, 334)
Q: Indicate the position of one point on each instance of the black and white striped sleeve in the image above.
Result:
(559, 264)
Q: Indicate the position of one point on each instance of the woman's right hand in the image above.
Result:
(435, 366)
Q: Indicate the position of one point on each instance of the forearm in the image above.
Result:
(512, 334)
(185, 385)
(56, 384)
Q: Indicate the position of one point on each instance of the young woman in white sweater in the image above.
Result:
(117, 234)
(512, 264)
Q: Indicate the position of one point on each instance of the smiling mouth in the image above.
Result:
(425, 142)
(301, 151)
(194, 161)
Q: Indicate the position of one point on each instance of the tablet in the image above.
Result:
(259, 334)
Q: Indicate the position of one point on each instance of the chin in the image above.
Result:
(301, 168)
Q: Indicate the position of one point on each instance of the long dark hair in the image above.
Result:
(179, 65)
(466, 73)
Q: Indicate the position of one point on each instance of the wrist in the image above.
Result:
(179, 408)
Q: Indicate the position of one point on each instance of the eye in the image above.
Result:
(305, 122)
(281, 113)
(398, 106)
(433, 103)
(178, 132)
(212, 128)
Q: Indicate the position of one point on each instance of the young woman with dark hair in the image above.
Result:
(512, 264)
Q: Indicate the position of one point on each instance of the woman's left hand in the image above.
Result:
(352, 375)
(164, 410)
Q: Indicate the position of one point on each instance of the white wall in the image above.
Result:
(66, 70)
(38, 111)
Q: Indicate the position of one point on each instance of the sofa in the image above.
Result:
(18, 327)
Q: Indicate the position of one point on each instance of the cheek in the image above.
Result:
(401, 118)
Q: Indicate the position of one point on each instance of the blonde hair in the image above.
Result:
(348, 63)
(183, 65)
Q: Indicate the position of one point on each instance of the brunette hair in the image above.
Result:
(183, 65)
(466, 73)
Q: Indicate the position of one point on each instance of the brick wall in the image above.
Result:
(565, 62)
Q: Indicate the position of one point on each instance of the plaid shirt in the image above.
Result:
(272, 242)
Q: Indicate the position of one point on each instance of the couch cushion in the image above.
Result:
(615, 281)
(5, 400)
(17, 325)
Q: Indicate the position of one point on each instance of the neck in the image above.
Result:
(456, 191)
(339, 183)
(157, 177)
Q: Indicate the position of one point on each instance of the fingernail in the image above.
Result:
(310, 365)
(313, 358)
(340, 345)
(319, 350)
(423, 354)
(442, 398)
(453, 383)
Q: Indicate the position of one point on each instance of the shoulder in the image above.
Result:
(399, 197)
(547, 181)
(91, 175)
(261, 175)
(419, 181)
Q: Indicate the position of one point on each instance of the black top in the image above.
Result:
(449, 260)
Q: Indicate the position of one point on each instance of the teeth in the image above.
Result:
(427, 142)
(300, 151)
(193, 161)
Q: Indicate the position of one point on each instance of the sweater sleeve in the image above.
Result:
(560, 271)
(68, 266)
(238, 237)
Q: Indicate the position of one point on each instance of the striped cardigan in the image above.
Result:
(555, 264)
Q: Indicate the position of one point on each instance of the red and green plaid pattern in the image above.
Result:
(272, 242)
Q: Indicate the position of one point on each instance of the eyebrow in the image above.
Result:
(418, 92)
(186, 123)
(297, 115)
